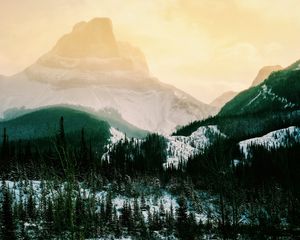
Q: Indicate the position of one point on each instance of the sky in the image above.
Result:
(204, 47)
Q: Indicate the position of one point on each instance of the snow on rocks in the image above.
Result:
(181, 148)
(115, 137)
(275, 139)
(266, 92)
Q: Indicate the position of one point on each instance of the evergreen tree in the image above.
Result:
(182, 219)
(143, 202)
(61, 133)
(8, 225)
(68, 211)
(49, 216)
(4, 154)
(136, 211)
(170, 220)
(108, 209)
(31, 207)
(84, 163)
(80, 216)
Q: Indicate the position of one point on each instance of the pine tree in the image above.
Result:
(170, 220)
(49, 215)
(118, 231)
(108, 209)
(192, 226)
(4, 157)
(8, 225)
(126, 216)
(68, 211)
(102, 216)
(143, 202)
(84, 161)
(80, 216)
(62, 137)
(182, 219)
(136, 214)
(143, 228)
(31, 207)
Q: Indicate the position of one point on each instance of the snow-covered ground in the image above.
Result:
(115, 137)
(181, 148)
(274, 139)
(21, 191)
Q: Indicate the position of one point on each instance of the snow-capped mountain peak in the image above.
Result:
(88, 67)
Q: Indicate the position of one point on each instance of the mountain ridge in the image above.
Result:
(264, 73)
(121, 82)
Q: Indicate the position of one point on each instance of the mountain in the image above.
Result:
(89, 68)
(264, 73)
(109, 115)
(181, 148)
(44, 123)
(220, 101)
(294, 66)
(273, 104)
(280, 138)
(279, 92)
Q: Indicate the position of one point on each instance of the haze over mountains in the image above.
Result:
(88, 67)
(262, 75)
(220, 101)
(279, 92)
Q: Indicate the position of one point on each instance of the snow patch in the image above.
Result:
(116, 135)
(274, 139)
(181, 148)
(266, 92)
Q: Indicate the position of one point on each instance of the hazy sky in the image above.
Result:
(204, 47)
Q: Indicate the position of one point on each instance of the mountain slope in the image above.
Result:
(90, 68)
(280, 138)
(281, 91)
(114, 119)
(264, 73)
(44, 123)
(274, 104)
(220, 101)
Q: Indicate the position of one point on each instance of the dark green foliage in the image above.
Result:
(241, 127)
(266, 187)
(182, 225)
(282, 83)
(7, 220)
(254, 112)
(154, 151)
(4, 152)
(44, 123)
(31, 208)
(132, 158)
(66, 155)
